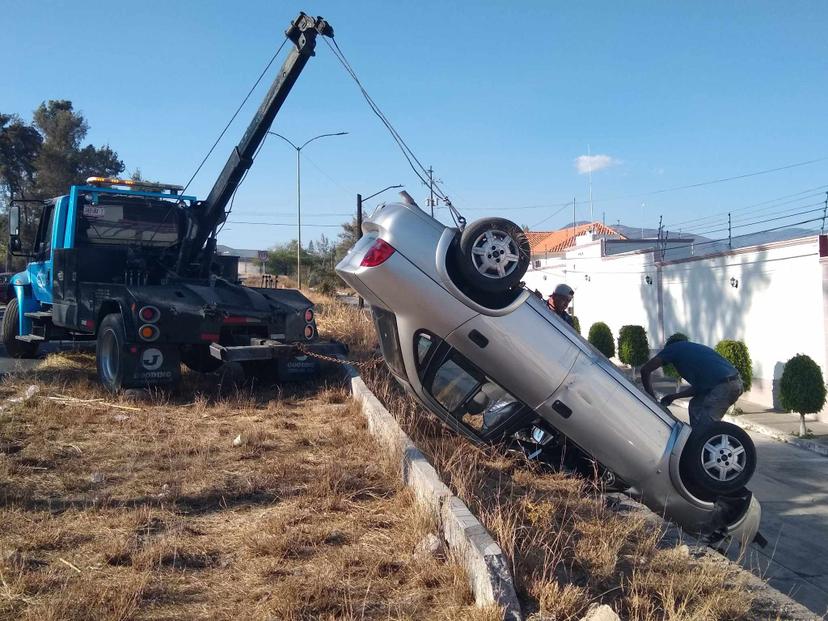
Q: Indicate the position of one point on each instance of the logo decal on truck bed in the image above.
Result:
(152, 359)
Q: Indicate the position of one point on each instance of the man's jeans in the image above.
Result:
(710, 406)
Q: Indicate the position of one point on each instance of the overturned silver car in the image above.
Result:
(488, 358)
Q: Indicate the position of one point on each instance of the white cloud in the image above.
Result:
(587, 163)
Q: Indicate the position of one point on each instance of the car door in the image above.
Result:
(528, 351)
(464, 397)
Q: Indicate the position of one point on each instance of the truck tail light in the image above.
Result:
(309, 332)
(149, 314)
(377, 254)
(309, 315)
(149, 332)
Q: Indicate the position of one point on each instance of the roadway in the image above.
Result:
(792, 485)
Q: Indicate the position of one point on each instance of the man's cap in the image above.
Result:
(564, 289)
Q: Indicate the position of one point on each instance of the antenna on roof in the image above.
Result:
(589, 159)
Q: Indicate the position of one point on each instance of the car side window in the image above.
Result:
(425, 344)
(474, 399)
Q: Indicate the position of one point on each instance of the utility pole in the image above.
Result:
(573, 220)
(824, 213)
(360, 302)
(589, 159)
(729, 233)
(642, 220)
(431, 189)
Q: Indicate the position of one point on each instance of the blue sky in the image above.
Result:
(500, 97)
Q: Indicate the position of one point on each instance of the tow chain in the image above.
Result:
(368, 364)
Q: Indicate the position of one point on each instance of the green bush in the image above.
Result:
(633, 348)
(737, 354)
(802, 388)
(600, 336)
(668, 369)
(576, 323)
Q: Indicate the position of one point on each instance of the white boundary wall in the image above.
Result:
(777, 306)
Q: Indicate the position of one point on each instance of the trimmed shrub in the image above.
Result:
(737, 354)
(802, 388)
(633, 348)
(600, 337)
(668, 369)
(576, 323)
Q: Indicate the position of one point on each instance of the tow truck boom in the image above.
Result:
(209, 214)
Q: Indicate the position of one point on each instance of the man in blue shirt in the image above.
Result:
(715, 384)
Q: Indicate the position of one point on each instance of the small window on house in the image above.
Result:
(537, 263)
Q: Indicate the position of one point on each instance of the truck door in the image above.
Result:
(40, 268)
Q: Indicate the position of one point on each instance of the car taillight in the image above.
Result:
(309, 332)
(377, 254)
(308, 315)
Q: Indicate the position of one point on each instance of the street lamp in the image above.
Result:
(359, 218)
(299, 198)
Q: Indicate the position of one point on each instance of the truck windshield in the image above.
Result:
(127, 221)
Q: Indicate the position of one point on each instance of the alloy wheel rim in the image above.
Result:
(723, 457)
(495, 254)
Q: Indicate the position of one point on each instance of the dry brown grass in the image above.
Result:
(151, 513)
(568, 546)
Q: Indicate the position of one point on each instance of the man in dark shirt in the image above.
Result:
(560, 300)
(715, 384)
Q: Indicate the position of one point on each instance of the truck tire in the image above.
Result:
(718, 460)
(494, 255)
(11, 328)
(198, 359)
(110, 352)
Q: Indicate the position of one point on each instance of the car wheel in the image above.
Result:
(718, 460)
(198, 359)
(109, 352)
(494, 254)
(11, 329)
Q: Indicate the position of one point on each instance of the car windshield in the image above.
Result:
(125, 221)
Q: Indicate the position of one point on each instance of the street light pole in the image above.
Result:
(299, 197)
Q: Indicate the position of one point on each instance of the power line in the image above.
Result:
(283, 224)
(235, 114)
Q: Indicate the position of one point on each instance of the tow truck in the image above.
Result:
(133, 266)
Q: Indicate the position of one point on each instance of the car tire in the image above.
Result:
(198, 359)
(11, 329)
(110, 352)
(494, 255)
(718, 460)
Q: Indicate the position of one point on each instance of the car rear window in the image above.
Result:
(389, 339)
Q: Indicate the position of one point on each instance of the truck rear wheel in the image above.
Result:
(11, 329)
(109, 352)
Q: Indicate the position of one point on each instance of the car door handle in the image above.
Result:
(478, 339)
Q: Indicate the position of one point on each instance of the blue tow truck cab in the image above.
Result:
(133, 266)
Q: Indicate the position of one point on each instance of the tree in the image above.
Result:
(802, 388)
(600, 336)
(576, 323)
(633, 348)
(348, 236)
(42, 160)
(62, 161)
(736, 352)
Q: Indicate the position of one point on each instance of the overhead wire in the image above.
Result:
(414, 163)
(235, 114)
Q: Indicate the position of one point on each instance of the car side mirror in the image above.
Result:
(14, 228)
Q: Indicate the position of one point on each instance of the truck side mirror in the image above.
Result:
(14, 228)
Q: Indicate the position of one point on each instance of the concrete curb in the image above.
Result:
(808, 445)
(489, 574)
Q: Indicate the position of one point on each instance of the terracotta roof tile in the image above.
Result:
(557, 241)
